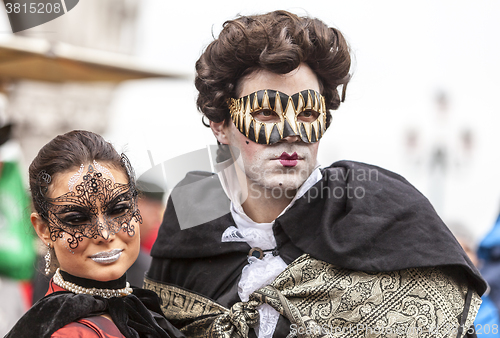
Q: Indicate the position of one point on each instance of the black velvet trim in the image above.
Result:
(136, 315)
(119, 283)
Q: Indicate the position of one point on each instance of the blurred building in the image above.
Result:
(50, 105)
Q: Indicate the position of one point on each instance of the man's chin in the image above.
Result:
(279, 184)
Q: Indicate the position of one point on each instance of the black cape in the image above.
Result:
(358, 216)
(135, 315)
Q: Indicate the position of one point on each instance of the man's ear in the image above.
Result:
(41, 227)
(220, 131)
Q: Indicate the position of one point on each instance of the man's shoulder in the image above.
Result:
(366, 175)
(352, 168)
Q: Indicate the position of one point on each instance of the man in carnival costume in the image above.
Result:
(348, 250)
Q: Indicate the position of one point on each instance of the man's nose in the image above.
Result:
(290, 139)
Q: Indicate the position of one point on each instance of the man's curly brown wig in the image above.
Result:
(277, 42)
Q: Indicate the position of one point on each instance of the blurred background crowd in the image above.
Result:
(422, 102)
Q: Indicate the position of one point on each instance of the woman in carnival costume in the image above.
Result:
(86, 214)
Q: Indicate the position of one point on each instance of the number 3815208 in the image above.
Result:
(33, 7)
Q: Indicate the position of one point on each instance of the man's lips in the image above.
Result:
(286, 156)
(288, 160)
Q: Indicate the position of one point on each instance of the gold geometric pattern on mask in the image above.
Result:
(102, 207)
(320, 299)
(241, 111)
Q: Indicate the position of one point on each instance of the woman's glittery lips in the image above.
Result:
(287, 160)
(107, 257)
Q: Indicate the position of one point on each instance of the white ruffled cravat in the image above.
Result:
(258, 272)
(261, 272)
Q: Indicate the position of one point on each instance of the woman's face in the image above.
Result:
(93, 222)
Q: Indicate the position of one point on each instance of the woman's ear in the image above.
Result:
(41, 227)
(220, 131)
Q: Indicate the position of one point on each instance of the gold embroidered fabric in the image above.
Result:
(321, 300)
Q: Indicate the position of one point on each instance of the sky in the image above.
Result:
(405, 53)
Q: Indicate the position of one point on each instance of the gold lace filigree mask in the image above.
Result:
(267, 116)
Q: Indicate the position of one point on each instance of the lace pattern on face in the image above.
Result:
(72, 181)
(96, 207)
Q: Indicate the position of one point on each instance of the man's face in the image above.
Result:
(286, 164)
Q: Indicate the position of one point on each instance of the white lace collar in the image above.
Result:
(260, 234)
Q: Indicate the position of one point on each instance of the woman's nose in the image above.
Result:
(106, 234)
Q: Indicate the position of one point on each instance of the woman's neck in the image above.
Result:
(91, 283)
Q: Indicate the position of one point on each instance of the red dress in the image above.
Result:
(89, 327)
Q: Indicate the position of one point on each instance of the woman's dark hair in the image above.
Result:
(69, 151)
(277, 42)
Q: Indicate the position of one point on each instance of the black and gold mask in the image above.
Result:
(268, 116)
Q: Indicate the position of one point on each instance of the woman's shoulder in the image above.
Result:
(90, 327)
